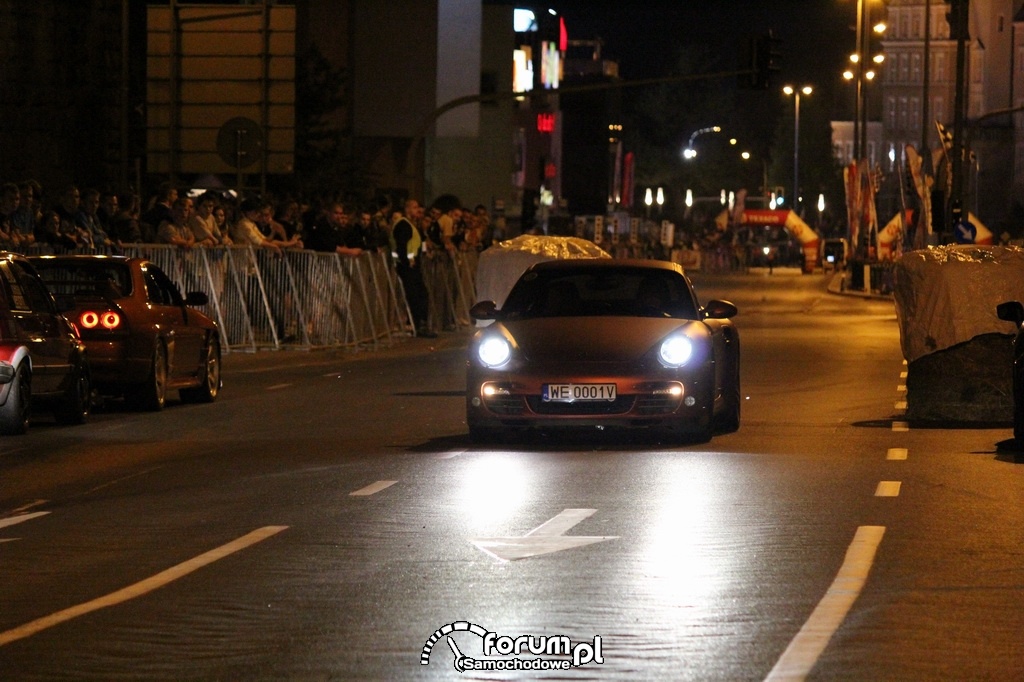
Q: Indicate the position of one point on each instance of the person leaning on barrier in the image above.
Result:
(247, 233)
(176, 230)
(275, 231)
(330, 232)
(204, 225)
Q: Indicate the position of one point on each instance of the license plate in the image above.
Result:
(569, 393)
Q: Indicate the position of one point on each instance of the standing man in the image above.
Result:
(409, 248)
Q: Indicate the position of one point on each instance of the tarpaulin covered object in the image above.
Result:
(501, 265)
(948, 295)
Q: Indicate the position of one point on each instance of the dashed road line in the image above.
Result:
(140, 588)
(900, 426)
(803, 652)
(373, 488)
(278, 386)
(897, 453)
(21, 518)
(888, 489)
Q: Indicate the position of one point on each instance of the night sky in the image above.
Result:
(643, 36)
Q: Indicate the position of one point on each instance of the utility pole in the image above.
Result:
(958, 21)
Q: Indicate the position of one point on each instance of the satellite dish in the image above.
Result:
(239, 142)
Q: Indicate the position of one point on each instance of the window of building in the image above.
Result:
(915, 68)
(915, 113)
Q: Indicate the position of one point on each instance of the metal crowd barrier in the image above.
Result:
(306, 299)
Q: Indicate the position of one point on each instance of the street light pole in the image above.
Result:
(790, 90)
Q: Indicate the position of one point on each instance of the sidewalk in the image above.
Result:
(837, 286)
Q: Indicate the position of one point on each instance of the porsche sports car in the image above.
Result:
(602, 343)
(142, 336)
(43, 361)
(1013, 311)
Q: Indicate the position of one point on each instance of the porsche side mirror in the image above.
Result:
(484, 310)
(720, 310)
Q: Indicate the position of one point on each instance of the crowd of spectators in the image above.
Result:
(83, 218)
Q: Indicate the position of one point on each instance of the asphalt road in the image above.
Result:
(328, 518)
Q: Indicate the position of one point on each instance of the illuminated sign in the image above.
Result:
(550, 65)
(545, 123)
(522, 70)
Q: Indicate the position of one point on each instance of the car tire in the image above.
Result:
(74, 406)
(152, 394)
(14, 413)
(209, 387)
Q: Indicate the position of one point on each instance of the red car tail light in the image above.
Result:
(108, 320)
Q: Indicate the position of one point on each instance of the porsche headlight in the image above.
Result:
(494, 351)
(675, 351)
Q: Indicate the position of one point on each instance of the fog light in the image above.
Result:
(689, 401)
(475, 401)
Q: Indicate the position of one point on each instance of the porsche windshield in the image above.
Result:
(631, 292)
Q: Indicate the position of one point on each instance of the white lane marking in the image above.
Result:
(901, 405)
(901, 388)
(888, 489)
(900, 426)
(450, 454)
(544, 539)
(277, 386)
(373, 488)
(13, 520)
(802, 653)
(101, 486)
(896, 453)
(140, 588)
(903, 375)
(26, 507)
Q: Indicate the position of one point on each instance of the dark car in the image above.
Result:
(143, 337)
(1013, 311)
(604, 343)
(43, 362)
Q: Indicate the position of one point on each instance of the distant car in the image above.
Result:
(143, 337)
(601, 343)
(43, 360)
(1013, 311)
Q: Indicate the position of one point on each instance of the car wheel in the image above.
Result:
(74, 406)
(152, 394)
(14, 413)
(209, 387)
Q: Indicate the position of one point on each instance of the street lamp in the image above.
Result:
(689, 152)
(790, 90)
(648, 200)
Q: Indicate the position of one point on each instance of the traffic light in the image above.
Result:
(762, 60)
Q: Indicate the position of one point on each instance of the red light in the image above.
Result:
(107, 320)
(89, 319)
(546, 123)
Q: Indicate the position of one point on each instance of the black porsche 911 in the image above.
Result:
(602, 343)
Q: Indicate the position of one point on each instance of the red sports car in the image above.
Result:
(143, 337)
(42, 359)
(599, 343)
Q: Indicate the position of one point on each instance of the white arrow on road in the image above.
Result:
(12, 520)
(546, 538)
